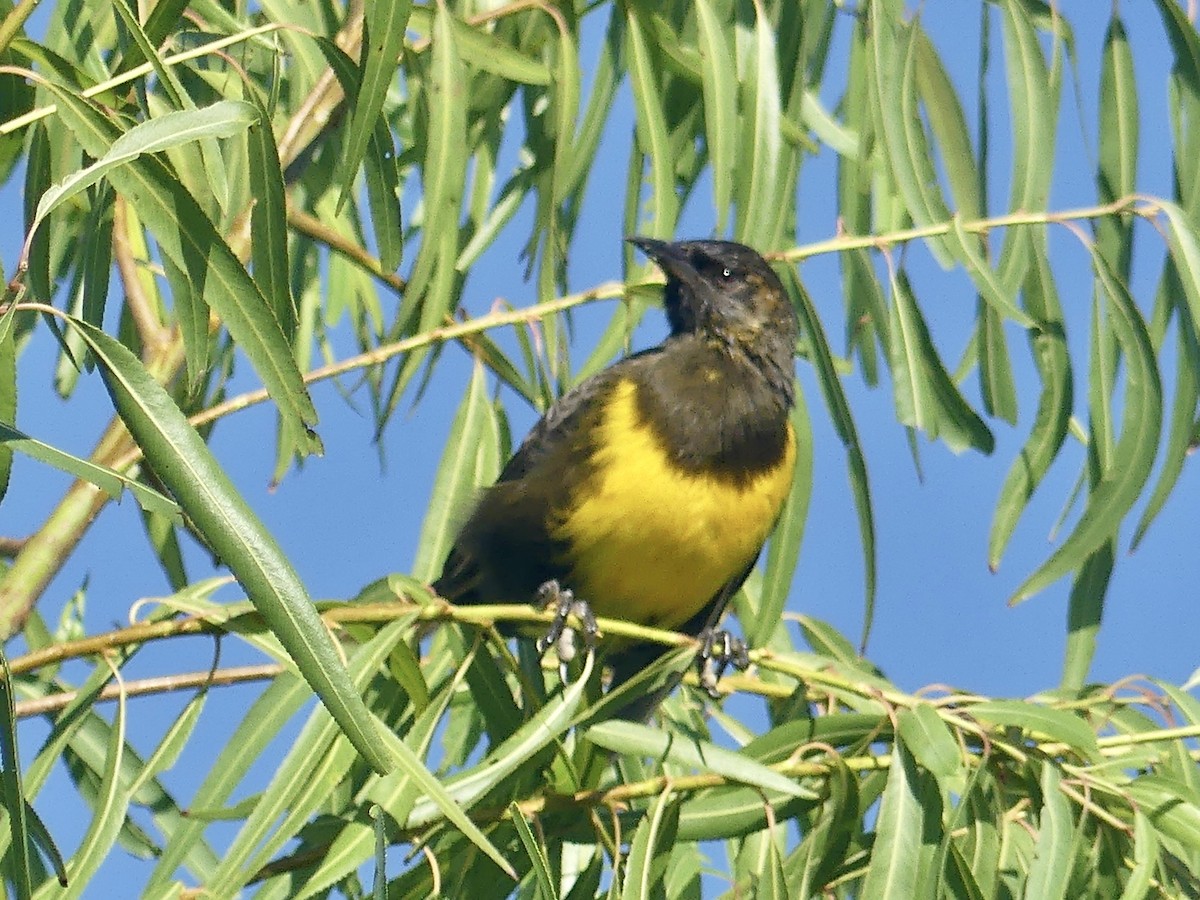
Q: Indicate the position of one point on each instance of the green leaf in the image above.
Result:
(843, 423)
(1054, 407)
(1040, 721)
(268, 222)
(187, 237)
(783, 552)
(926, 396)
(282, 699)
(1118, 152)
(224, 118)
(719, 83)
(646, 865)
(485, 51)
(1033, 98)
(8, 389)
(112, 802)
(899, 125)
(1179, 436)
(471, 459)
(1050, 871)
(384, 25)
(542, 876)
(1133, 457)
(949, 124)
(761, 191)
(1145, 859)
(928, 738)
(108, 480)
(893, 873)
(186, 466)
(642, 740)
(651, 126)
(12, 797)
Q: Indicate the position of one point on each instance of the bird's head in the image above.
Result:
(726, 291)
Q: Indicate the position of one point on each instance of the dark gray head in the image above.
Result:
(726, 291)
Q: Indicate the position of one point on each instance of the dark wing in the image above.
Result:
(566, 418)
(504, 551)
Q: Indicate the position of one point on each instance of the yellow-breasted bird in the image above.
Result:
(649, 489)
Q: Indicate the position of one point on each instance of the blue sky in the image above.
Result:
(941, 615)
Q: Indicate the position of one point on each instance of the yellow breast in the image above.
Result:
(651, 542)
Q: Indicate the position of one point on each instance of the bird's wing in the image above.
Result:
(546, 437)
(539, 477)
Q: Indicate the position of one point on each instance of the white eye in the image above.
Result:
(725, 273)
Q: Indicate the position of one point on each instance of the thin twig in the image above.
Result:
(162, 684)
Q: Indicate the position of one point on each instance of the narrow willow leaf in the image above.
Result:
(1040, 721)
(443, 177)
(395, 794)
(1050, 872)
(469, 461)
(1085, 608)
(270, 265)
(822, 850)
(224, 118)
(642, 740)
(17, 868)
(999, 296)
(1145, 859)
(1133, 456)
(926, 396)
(1184, 39)
(485, 51)
(1171, 807)
(187, 236)
(949, 124)
(1179, 436)
(760, 187)
(108, 480)
(1054, 407)
(467, 787)
(383, 38)
(843, 423)
(645, 867)
(108, 815)
(783, 553)
(1033, 91)
(899, 125)
(719, 81)
(96, 257)
(543, 879)
(929, 740)
(567, 86)
(651, 127)
(893, 873)
(282, 699)
(8, 390)
(1184, 242)
(315, 762)
(1118, 152)
(382, 177)
(185, 464)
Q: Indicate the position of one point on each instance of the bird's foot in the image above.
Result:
(561, 635)
(718, 651)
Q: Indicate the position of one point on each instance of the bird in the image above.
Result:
(649, 489)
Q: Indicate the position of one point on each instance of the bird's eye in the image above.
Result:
(725, 273)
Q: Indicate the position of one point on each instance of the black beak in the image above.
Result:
(670, 258)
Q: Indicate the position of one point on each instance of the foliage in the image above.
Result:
(254, 177)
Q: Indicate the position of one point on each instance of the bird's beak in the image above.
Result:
(669, 257)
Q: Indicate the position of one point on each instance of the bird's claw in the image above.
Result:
(718, 651)
(561, 635)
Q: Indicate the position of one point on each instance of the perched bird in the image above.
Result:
(649, 489)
